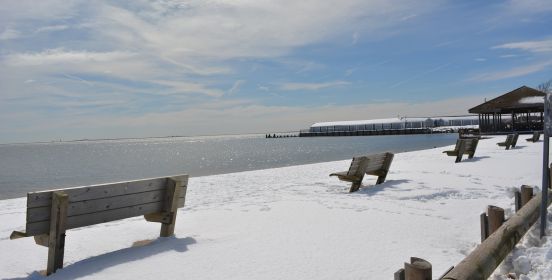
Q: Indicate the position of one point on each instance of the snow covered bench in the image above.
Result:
(51, 213)
(463, 146)
(376, 164)
(511, 141)
(535, 138)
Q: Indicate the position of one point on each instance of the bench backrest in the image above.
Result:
(514, 139)
(458, 144)
(470, 145)
(103, 203)
(358, 165)
(509, 139)
(377, 162)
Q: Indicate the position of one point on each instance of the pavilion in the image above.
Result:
(519, 110)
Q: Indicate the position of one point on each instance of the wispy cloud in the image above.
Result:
(513, 72)
(311, 86)
(61, 56)
(236, 86)
(530, 46)
(9, 34)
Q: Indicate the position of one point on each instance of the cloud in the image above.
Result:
(513, 72)
(60, 56)
(311, 86)
(528, 6)
(480, 59)
(179, 87)
(52, 28)
(9, 34)
(236, 86)
(356, 36)
(84, 63)
(530, 46)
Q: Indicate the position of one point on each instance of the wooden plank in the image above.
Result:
(38, 214)
(44, 198)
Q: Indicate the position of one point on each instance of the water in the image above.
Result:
(32, 167)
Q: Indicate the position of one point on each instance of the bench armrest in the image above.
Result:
(18, 234)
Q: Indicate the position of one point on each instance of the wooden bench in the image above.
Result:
(509, 141)
(463, 146)
(51, 213)
(535, 138)
(376, 164)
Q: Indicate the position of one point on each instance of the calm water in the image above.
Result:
(31, 167)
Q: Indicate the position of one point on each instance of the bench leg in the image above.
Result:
(381, 179)
(458, 158)
(355, 186)
(173, 191)
(56, 236)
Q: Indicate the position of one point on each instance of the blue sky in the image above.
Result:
(87, 69)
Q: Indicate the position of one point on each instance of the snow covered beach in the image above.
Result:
(298, 223)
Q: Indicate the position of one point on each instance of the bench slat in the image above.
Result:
(44, 198)
(98, 217)
(37, 214)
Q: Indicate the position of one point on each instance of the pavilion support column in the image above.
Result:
(513, 121)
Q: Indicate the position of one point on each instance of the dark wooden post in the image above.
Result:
(526, 194)
(484, 226)
(417, 269)
(517, 201)
(56, 236)
(496, 218)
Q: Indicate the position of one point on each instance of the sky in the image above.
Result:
(114, 69)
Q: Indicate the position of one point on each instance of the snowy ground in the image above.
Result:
(298, 223)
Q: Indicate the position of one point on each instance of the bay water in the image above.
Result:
(43, 166)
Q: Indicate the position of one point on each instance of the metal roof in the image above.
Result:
(518, 100)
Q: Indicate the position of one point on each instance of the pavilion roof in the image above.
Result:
(518, 100)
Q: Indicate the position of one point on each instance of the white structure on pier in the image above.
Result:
(396, 123)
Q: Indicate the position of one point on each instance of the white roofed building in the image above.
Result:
(399, 123)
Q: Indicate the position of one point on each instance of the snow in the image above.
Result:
(298, 223)
(531, 100)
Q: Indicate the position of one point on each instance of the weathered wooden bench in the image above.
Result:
(463, 146)
(535, 138)
(509, 141)
(51, 213)
(376, 164)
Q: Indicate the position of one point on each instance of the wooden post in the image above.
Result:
(56, 236)
(517, 201)
(173, 193)
(484, 226)
(526, 194)
(399, 275)
(417, 269)
(496, 218)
